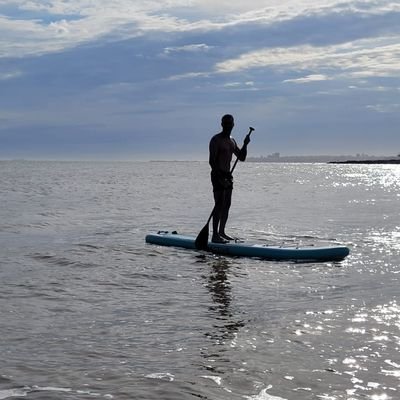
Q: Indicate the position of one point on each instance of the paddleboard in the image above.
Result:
(243, 249)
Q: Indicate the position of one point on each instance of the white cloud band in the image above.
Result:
(79, 21)
(368, 57)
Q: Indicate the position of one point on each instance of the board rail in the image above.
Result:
(256, 250)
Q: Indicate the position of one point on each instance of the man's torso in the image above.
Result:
(223, 147)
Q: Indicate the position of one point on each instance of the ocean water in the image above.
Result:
(89, 311)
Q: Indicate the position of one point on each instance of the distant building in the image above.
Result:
(274, 156)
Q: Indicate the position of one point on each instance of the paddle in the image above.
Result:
(201, 241)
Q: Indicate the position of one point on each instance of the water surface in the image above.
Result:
(88, 310)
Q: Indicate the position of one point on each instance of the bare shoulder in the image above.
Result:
(216, 138)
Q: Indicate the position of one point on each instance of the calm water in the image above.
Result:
(88, 310)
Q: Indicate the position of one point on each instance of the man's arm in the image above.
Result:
(241, 153)
(213, 154)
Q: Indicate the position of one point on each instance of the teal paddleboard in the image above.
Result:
(243, 249)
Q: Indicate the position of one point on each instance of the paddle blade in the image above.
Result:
(201, 241)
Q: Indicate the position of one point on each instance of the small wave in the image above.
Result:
(166, 376)
(89, 246)
(142, 276)
(51, 259)
(216, 379)
(61, 261)
(263, 395)
(6, 394)
(25, 391)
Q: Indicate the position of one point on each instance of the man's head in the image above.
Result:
(227, 122)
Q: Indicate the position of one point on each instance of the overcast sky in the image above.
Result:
(119, 79)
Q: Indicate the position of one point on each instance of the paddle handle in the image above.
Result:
(251, 129)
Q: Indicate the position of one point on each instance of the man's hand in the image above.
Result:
(246, 140)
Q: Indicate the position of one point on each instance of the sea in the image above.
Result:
(88, 310)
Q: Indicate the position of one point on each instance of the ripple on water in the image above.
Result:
(263, 395)
(50, 391)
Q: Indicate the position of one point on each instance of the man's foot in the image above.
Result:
(225, 236)
(218, 239)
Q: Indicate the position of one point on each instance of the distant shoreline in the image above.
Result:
(327, 159)
(269, 159)
(392, 161)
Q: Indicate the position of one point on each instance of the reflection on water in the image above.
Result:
(220, 287)
(218, 283)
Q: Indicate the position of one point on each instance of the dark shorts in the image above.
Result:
(221, 181)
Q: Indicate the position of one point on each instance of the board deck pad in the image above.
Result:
(244, 249)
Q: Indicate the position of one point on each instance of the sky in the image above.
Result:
(151, 79)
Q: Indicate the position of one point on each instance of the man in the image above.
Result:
(222, 147)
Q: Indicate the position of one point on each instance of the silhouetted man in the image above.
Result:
(222, 147)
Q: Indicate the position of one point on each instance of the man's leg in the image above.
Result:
(219, 198)
(225, 214)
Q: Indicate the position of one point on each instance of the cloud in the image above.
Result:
(308, 78)
(278, 10)
(241, 86)
(361, 58)
(75, 22)
(190, 48)
(21, 37)
(4, 76)
(189, 75)
(385, 108)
